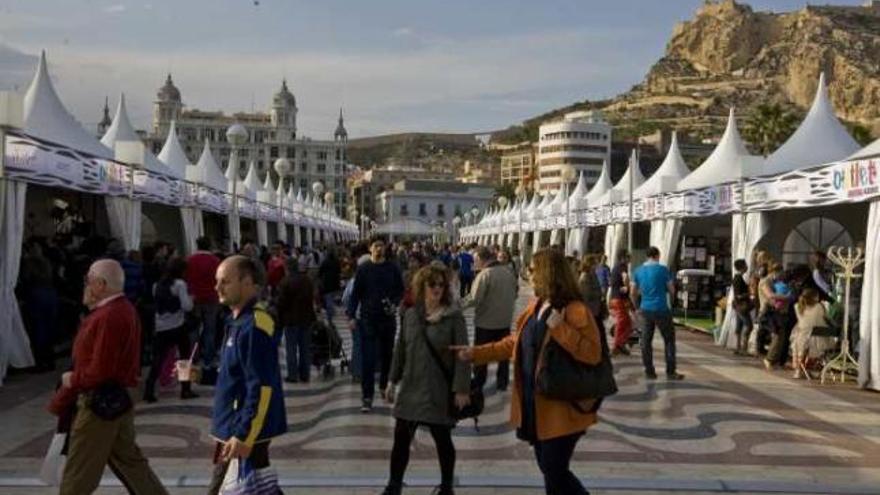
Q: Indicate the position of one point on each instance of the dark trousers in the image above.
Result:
(163, 342)
(298, 347)
(485, 336)
(259, 456)
(377, 343)
(207, 315)
(465, 285)
(777, 351)
(554, 458)
(404, 431)
(650, 321)
(40, 319)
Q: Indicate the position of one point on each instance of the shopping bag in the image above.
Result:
(53, 464)
(167, 372)
(243, 479)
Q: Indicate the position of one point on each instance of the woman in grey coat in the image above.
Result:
(418, 387)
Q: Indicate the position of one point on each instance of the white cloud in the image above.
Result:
(115, 9)
(403, 31)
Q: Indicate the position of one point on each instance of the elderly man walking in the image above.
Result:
(106, 356)
(248, 403)
(492, 295)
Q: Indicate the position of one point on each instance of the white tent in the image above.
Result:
(615, 234)
(173, 157)
(600, 188)
(730, 161)
(820, 138)
(253, 187)
(664, 231)
(575, 239)
(541, 212)
(207, 172)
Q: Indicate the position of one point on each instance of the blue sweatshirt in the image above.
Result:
(376, 287)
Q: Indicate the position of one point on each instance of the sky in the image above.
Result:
(392, 65)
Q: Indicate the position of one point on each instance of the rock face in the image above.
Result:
(730, 55)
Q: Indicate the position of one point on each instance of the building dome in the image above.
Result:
(284, 98)
(169, 91)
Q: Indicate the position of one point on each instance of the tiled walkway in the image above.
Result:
(729, 426)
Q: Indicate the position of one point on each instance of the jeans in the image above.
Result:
(377, 343)
(298, 344)
(650, 321)
(554, 458)
(502, 376)
(207, 315)
(404, 432)
(329, 301)
(356, 349)
(465, 285)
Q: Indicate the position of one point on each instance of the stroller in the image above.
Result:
(327, 346)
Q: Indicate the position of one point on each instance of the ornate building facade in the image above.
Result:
(272, 135)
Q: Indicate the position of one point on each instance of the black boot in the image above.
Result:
(186, 391)
(392, 490)
(150, 394)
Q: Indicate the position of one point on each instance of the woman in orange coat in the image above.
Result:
(553, 427)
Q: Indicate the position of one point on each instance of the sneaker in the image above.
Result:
(366, 406)
(392, 490)
(188, 394)
(650, 375)
(674, 376)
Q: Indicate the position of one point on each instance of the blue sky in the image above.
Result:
(394, 65)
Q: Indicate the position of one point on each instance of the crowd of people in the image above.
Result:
(225, 315)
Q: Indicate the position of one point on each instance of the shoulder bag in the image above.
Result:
(472, 410)
(563, 377)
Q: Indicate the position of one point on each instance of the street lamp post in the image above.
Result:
(236, 135)
(567, 176)
(328, 210)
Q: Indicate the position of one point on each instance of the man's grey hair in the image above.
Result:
(111, 272)
(484, 253)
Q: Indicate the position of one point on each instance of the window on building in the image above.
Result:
(339, 154)
(260, 165)
(304, 167)
(303, 183)
(404, 211)
(291, 152)
(322, 168)
(440, 210)
(423, 210)
(243, 152)
(273, 152)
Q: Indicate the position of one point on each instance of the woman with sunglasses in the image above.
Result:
(418, 386)
(552, 427)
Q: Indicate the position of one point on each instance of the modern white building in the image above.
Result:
(581, 141)
(432, 202)
(272, 135)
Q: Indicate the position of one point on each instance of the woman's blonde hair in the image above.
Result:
(809, 298)
(435, 272)
(553, 278)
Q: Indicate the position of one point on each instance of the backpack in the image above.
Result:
(166, 301)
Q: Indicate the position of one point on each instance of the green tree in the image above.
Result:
(861, 134)
(768, 126)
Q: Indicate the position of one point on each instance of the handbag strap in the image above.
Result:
(447, 374)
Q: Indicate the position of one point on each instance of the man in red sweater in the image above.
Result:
(201, 267)
(106, 349)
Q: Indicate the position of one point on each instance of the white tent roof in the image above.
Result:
(621, 190)
(870, 151)
(122, 130)
(207, 170)
(544, 205)
(578, 193)
(820, 139)
(600, 188)
(252, 183)
(533, 205)
(45, 116)
(267, 193)
(729, 161)
(673, 169)
(172, 154)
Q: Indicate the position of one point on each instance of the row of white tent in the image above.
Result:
(820, 139)
(46, 120)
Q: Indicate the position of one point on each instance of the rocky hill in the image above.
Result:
(730, 55)
(432, 151)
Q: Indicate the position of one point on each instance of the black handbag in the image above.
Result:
(562, 377)
(472, 410)
(109, 401)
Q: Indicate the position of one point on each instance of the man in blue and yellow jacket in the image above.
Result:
(248, 400)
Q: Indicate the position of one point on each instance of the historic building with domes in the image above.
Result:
(273, 135)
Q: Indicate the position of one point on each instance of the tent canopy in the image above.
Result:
(671, 171)
(46, 117)
(730, 161)
(207, 171)
(578, 193)
(172, 154)
(122, 130)
(820, 139)
(600, 188)
(621, 190)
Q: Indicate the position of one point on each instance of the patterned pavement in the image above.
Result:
(729, 426)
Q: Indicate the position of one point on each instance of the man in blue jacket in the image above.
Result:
(248, 401)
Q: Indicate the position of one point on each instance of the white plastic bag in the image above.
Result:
(53, 464)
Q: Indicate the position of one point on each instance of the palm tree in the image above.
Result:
(768, 126)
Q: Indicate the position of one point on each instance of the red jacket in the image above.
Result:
(107, 348)
(275, 270)
(201, 270)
